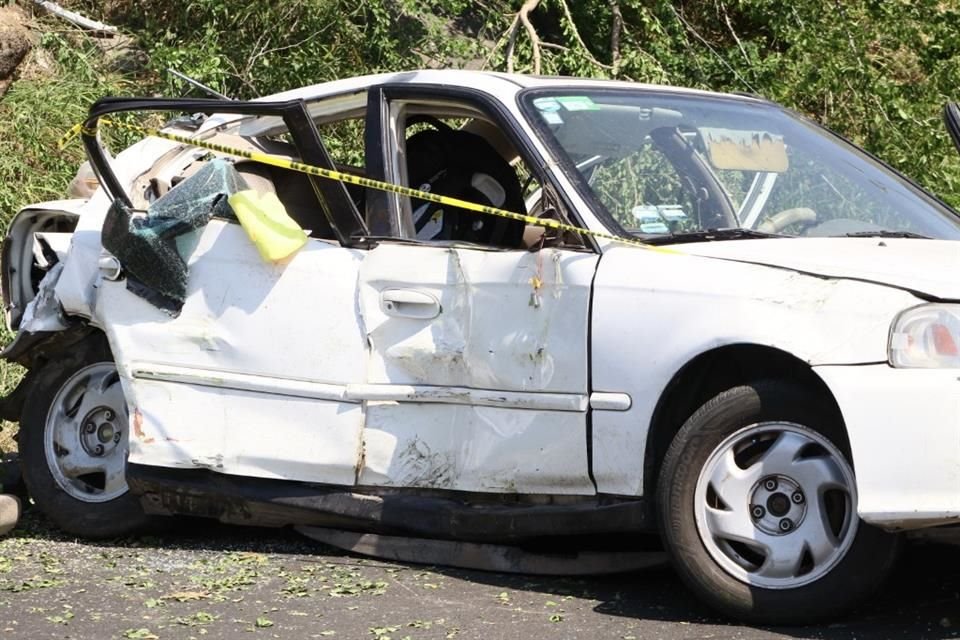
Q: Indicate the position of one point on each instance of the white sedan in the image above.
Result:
(765, 373)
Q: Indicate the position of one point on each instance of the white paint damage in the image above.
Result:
(491, 382)
(929, 268)
(485, 327)
(248, 319)
(475, 448)
(357, 393)
(27, 251)
(43, 313)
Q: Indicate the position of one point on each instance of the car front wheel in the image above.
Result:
(758, 508)
(73, 444)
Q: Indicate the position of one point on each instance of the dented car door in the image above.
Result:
(231, 362)
(478, 368)
(478, 354)
(245, 380)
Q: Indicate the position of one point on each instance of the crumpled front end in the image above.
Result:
(34, 251)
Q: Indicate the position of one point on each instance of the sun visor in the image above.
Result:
(745, 150)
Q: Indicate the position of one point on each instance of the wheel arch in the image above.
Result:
(717, 370)
(35, 351)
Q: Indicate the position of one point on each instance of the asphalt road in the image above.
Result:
(211, 581)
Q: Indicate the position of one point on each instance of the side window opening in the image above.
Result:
(339, 131)
(454, 150)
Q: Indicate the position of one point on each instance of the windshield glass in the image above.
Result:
(663, 165)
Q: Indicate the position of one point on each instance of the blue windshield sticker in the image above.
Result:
(672, 212)
(649, 219)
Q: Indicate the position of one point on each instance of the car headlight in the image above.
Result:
(926, 337)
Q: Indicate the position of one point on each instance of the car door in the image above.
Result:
(249, 376)
(477, 376)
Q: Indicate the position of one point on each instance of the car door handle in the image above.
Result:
(409, 303)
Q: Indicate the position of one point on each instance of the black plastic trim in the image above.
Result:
(434, 514)
(381, 218)
(951, 117)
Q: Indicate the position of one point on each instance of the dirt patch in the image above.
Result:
(16, 41)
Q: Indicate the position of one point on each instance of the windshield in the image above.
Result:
(661, 166)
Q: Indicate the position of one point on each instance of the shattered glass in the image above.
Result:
(154, 246)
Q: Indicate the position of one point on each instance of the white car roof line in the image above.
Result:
(517, 82)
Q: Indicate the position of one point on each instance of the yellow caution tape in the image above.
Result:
(340, 176)
(72, 133)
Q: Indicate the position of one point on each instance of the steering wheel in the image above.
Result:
(804, 216)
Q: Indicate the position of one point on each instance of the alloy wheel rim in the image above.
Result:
(775, 505)
(85, 435)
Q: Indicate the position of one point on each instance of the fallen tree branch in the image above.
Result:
(512, 42)
(524, 15)
(616, 27)
(76, 18)
(726, 18)
(715, 53)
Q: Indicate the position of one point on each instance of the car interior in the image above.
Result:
(457, 150)
(444, 148)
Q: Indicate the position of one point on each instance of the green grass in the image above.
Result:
(10, 375)
(37, 111)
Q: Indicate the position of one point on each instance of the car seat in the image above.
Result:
(462, 165)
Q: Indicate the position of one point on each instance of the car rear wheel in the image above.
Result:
(73, 444)
(758, 508)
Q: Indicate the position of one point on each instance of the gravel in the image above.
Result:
(204, 580)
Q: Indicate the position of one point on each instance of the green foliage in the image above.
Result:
(247, 49)
(36, 112)
(876, 72)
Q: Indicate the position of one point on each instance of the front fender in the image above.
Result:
(655, 312)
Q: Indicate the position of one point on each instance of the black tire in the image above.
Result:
(866, 563)
(95, 520)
